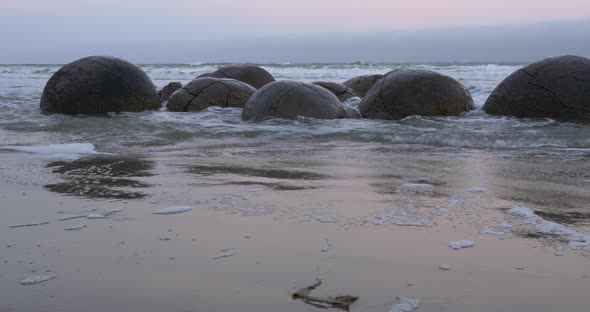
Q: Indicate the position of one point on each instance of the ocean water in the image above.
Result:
(541, 163)
(21, 122)
(288, 200)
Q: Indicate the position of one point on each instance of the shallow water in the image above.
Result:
(369, 206)
(529, 160)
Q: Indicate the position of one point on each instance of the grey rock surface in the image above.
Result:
(253, 75)
(341, 91)
(290, 99)
(168, 89)
(204, 92)
(406, 92)
(99, 84)
(362, 84)
(557, 87)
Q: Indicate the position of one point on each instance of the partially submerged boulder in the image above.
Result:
(204, 92)
(407, 92)
(290, 99)
(99, 84)
(168, 89)
(362, 84)
(341, 91)
(253, 75)
(556, 87)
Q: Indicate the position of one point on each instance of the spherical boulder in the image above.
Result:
(168, 89)
(290, 99)
(556, 87)
(204, 92)
(362, 84)
(253, 75)
(407, 92)
(341, 91)
(99, 84)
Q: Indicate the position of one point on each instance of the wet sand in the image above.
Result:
(277, 208)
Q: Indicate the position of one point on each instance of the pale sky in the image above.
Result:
(301, 15)
(29, 26)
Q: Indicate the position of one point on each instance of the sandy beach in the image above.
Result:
(295, 156)
(374, 224)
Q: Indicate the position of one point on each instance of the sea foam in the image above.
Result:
(528, 218)
(70, 151)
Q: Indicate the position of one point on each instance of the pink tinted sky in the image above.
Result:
(307, 15)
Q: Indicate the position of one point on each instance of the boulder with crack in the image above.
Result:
(202, 93)
(556, 87)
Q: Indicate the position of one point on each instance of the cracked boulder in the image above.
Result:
(341, 91)
(253, 75)
(406, 92)
(362, 84)
(557, 87)
(99, 84)
(204, 92)
(290, 99)
(168, 89)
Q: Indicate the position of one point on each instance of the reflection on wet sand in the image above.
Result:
(556, 189)
(101, 177)
(257, 177)
(579, 218)
(255, 172)
(273, 186)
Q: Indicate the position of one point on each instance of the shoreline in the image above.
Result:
(137, 260)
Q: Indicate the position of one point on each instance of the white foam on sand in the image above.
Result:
(96, 216)
(32, 280)
(461, 244)
(14, 226)
(173, 210)
(405, 305)
(225, 253)
(70, 217)
(476, 190)
(401, 218)
(406, 212)
(112, 212)
(70, 151)
(529, 219)
(76, 227)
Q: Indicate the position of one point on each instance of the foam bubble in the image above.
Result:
(70, 151)
(405, 305)
(528, 218)
(32, 280)
(173, 210)
(462, 244)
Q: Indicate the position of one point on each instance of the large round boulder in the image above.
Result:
(168, 89)
(362, 84)
(341, 91)
(204, 92)
(557, 87)
(253, 75)
(407, 92)
(290, 99)
(99, 84)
